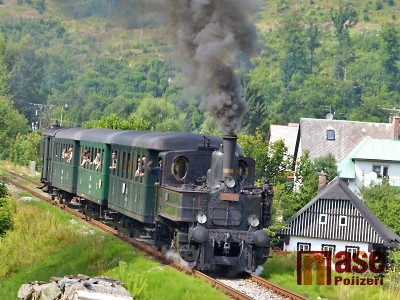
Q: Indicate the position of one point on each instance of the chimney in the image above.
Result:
(321, 181)
(395, 120)
(229, 142)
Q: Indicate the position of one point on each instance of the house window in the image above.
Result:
(343, 221)
(329, 248)
(303, 246)
(381, 171)
(322, 219)
(330, 134)
(385, 171)
(352, 250)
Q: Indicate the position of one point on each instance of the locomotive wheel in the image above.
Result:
(188, 252)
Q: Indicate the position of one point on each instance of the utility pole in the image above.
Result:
(40, 109)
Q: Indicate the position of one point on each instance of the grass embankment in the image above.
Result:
(281, 269)
(47, 242)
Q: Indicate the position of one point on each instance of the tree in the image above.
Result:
(21, 151)
(290, 198)
(161, 114)
(4, 78)
(6, 212)
(313, 42)
(294, 41)
(25, 76)
(391, 55)
(39, 5)
(384, 202)
(343, 19)
(328, 165)
(113, 121)
(261, 93)
(272, 159)
(11, 123)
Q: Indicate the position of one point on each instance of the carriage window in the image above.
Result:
(137, 167)
(128, 169)
(123, 163)
(114, 161)
(180, 167)
(96, 162)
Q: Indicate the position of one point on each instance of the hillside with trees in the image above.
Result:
(103, 63)
(103, 57)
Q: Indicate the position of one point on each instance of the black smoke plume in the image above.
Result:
(207, 34)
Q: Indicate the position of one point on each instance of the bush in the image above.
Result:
(3, 188)
(6, 212)
(25, 149)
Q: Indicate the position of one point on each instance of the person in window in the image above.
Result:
(240, 174)
(68, 155)
(114, 161)
(85, 157)
(156, 170)
(97, 161)
(140, 166)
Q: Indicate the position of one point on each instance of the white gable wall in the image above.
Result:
(316, 244)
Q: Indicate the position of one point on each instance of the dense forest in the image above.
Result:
(83, 60)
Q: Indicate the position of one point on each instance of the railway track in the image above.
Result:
(228, 286)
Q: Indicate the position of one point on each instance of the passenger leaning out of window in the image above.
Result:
(114, 161)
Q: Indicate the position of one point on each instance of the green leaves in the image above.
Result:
(6, 213)
(11, 123)
(384, 201)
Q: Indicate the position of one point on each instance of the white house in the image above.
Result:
(336, 220)
(370, 162)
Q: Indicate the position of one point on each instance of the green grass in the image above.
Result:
(281, 269)
(47, 242)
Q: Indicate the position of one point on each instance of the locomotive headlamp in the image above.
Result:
(253, 221)
(230, 182)
(201, 218)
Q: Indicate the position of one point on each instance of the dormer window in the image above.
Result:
(330, 134)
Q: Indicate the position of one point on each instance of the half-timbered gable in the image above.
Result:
(337, 218)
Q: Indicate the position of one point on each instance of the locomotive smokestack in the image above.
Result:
(229, 142)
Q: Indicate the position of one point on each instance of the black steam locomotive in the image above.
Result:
(193, 192)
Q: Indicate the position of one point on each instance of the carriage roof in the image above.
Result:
(155, 140)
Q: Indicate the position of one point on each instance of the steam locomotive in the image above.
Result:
(192, 192)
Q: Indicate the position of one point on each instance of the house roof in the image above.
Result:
(338, 190)
(377, 149)
(287, 133)
(372, 150)
(348, 134)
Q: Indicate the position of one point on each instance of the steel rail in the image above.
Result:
(160, 257)
(275, 288)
